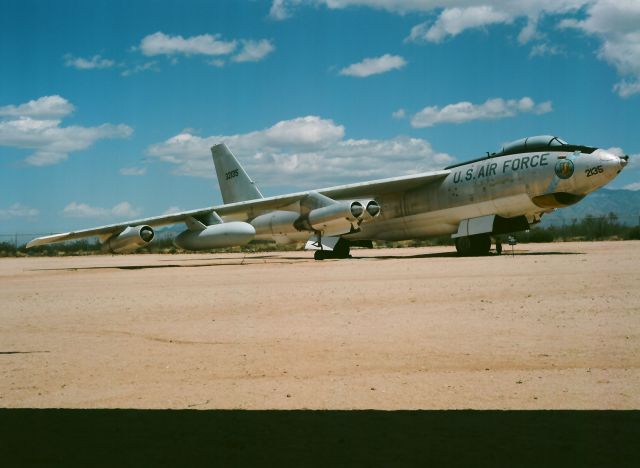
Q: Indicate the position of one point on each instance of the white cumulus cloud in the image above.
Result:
(374, 66)
(617, 24)
(453, 21)
(36, 126)
(18, 210)
(95, 62)
(208, 45)
(282, 9)
(465, 111)
(627, 88)
(254, 51)
(83, 210)
(46, 107)
(205, 44)
(544, 49)
(151, 65)
(279, 10)
(304, 152)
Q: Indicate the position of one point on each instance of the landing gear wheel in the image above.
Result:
(341, 249)
(463, 246)
(479, 244)
(498, 247)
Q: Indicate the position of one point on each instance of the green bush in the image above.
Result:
(633, 233)
(541, 235)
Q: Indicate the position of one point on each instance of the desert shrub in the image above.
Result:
(633, 233)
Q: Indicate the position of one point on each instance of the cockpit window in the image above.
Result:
(557, 142)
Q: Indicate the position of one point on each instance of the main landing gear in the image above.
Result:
(341, 250)
(477, 245)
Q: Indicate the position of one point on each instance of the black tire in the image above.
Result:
(463, 246)
(319, 255)
(479, 244)
(342, 249)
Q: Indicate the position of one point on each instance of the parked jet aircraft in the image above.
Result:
(502, 192)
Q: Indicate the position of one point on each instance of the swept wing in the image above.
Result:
(251, 208)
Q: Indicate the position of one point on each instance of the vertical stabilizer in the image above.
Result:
(235, 184)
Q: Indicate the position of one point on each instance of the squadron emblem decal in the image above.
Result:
(564, 168)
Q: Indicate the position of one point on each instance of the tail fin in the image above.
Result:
(235, 184)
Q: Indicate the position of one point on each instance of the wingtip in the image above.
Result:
(47, 239)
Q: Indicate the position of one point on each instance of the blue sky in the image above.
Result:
(108, 108)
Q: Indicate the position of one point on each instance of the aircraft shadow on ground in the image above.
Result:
(291, 260)
(505, 253)
(240, 262)
(225, 258)
(531, 254)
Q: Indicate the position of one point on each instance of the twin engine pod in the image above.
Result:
(333, 216)
(216, 236)
(132, 238)
(334, 219)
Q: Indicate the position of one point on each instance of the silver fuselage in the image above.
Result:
(522, 184)
(503, 192)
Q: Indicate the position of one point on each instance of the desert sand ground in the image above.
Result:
(556, 326)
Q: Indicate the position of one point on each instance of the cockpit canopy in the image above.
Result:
(534, 143)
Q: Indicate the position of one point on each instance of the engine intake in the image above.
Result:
(372, 209)
(322, 218)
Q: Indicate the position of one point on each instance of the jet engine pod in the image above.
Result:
(347, 211)
(277, 223)
(216, 236)
(130, 239)
(337, 218)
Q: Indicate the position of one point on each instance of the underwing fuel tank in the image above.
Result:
(216, 236)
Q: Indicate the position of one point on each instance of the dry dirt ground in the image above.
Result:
(556, 326)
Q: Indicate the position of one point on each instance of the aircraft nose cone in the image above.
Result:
(612, 161)
(624, 160)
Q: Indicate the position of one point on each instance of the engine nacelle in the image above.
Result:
(337, 218)
(216, 236)
(276, 223)
(130, 239)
